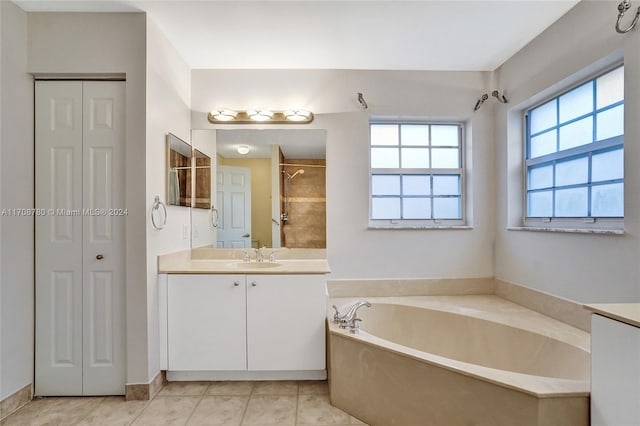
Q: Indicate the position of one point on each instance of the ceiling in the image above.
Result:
(473, 35)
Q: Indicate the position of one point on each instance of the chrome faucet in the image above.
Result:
(349, 320)
(272, 256)
(259, 255)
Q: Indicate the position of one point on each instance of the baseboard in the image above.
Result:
(145, 391)
(189, 376)
(16, 401)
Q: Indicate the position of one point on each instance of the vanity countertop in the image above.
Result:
(628, 313)
(229, 261)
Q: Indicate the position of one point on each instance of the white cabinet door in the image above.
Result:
(286, 322)
(207, 322)
(615, 373)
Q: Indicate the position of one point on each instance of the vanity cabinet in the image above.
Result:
(249, 323)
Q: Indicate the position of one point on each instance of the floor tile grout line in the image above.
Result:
(198, 403)
(295, 414)
(90, 411)
(143, 408)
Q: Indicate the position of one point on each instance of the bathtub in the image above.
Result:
(459, 360)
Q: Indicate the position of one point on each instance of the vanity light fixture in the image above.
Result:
(291, 116)
(297, 115)
(260, 114)
(243, 149)
(223, 114)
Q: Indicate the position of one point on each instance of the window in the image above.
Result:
(416, 174)
(575, 154)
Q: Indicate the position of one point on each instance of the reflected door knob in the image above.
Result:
(99, 257)
(253, 284)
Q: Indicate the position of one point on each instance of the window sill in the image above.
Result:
(568, 230)
(421, 227)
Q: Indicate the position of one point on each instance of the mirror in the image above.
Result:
(178, 172)
(262, 198)
(202, 191)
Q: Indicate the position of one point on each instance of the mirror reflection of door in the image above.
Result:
(234, 205)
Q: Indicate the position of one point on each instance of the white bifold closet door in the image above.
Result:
(80, 226)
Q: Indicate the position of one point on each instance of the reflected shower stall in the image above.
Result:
(303, 203)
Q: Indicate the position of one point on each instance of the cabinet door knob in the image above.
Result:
(253, 284)
(99, 257)
(236, 283)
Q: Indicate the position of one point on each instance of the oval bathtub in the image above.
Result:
(459, 360)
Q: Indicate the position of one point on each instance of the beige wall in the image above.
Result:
(168, 105)
(260, 196)
(110, 43)
(581, 267)
(16, 192)
(354, 250)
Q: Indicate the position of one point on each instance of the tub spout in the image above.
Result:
(349, 320)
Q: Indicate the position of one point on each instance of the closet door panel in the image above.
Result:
(58, 161)
(103, 231)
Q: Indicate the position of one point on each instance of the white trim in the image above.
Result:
(246, 375)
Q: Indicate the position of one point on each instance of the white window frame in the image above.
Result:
(420, 223)
(587, 223)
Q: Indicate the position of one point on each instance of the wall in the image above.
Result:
(16, 191)
(110, 43)
(168, 110)
(582, 267)
(354, 250)
(260, 196)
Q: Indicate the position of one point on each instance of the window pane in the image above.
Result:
(416, 185)
(446, 185)
(444, 135)
(610, 88)
(571, 202)
(607, 165)
(446, 208)
(610, 123)
(385, 208)
(416, 208)
(541, 177)
(445, 158)
(384, 134)
(576, 134)
(414, 134)
(415, 158)
(540, 204)
(385, 185)
(572, 172)
(543, 144)
(543, 117)
(607, 200)
(577, 102)
(384, 158)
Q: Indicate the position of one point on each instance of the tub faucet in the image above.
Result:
(348, 319)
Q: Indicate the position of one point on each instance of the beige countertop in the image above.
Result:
(628, 313)
(229, 261)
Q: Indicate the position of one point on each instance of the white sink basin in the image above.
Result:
(255, 265)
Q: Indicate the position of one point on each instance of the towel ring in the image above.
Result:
(157, 204)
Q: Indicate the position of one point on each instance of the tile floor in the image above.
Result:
(195, 403)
